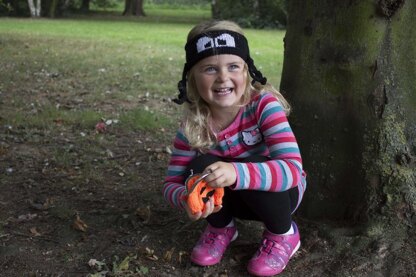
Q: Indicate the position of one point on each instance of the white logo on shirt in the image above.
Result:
(252, 137)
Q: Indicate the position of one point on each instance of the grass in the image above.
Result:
(80, 69)
(59, 78)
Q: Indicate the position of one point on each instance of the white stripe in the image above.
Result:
(289, 176)
(246, 182)
(268, 176)
(276, 128)
(284, 145)
(297, 164)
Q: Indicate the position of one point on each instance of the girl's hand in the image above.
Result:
(222, 175)
(210, 208)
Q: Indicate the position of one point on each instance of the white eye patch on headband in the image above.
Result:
(205, 43)
(216, 43)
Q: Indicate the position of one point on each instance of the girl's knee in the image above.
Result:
(199, 163)
(255, 159)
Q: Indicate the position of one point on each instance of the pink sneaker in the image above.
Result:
(212, 245)
(274, 253)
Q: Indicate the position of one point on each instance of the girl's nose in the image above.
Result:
(222, 75)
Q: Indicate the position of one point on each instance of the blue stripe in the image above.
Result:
(240, 172)
(263, 177)
(268, 112)
(181, 136)
(278, 129)
(278, 152)
(174, 172)
(284, 177)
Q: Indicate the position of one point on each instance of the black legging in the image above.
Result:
(274, 209)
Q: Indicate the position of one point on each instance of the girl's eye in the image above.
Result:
(234, 67)
(210, 69)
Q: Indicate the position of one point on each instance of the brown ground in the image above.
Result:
(66, 200)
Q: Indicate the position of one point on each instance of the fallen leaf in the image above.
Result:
(144, 213)
(239, 256)
(153, 258)
(149, 251)
(169, 254)
(79, 224)
(34, 232)
(98, 265)
(58, 121)
(26, 217)
(150, 254)
(110, 154)
(124, 264)
(100, 127)
(181, 254)
(41, 205)
(143, 270)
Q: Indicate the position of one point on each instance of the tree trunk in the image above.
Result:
(139, 8)
(214, 9)
(35, 9)
(53, 8)
(134, 7)
(349, 72)
(127, 7)
(85, 6)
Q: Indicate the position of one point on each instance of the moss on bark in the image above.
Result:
(349, 73)
(353, 94)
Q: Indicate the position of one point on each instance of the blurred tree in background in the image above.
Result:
(52, 8)
(134, 7)
(252, 13)
(248, 13)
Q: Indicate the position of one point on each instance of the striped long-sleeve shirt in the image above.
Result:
(260, 128)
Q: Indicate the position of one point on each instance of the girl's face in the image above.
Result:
(221, 81)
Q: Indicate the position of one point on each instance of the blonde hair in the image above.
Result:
(198, 119)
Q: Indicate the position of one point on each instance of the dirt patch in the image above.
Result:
(81, 203)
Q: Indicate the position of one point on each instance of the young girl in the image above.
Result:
(235, 130)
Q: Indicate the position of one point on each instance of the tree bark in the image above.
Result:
(85, 6)
(134, 7)
(53, 8)
(35, 9)
(214, 9)
(139, 8)
(349, 72)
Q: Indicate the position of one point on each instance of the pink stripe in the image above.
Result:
(284, 134)
(264, 101)
(292, 156)
(274, 176)
(274, 140)
(181, 145)
(253, 183)
(271, 123)
(295, 175)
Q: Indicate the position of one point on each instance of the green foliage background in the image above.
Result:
(248, 13)
(253, 13)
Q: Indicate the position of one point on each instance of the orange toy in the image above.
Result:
(198, 193)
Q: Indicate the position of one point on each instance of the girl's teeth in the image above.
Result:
(223, 90)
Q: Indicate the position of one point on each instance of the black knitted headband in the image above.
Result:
(216, 43)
